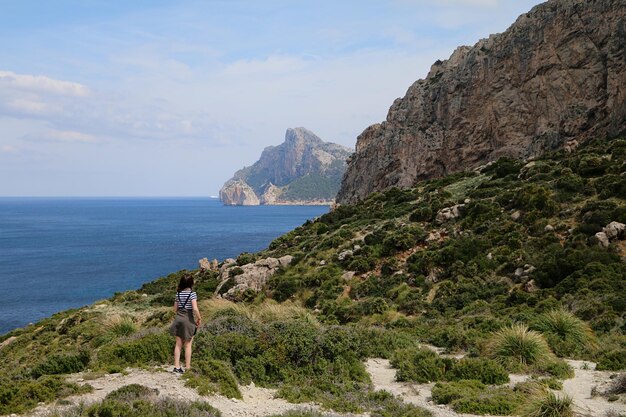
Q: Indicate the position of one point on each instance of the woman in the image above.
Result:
(184, 326)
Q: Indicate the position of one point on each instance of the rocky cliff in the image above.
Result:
(556, 76)
(236, 192)
(302, 170)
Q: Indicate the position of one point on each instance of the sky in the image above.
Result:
(170, 98)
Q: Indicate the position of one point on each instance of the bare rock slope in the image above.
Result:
(556, 76)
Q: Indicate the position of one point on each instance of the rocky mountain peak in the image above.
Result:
(301, 135)
(556, 77)
(302, 169)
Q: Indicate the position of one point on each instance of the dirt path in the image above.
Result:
(384, 378)
(579, 388)
(257, 402)
(261, 402)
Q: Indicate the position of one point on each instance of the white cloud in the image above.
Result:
(32, 107)
(43, 84)
(72, 136)
(64, 136)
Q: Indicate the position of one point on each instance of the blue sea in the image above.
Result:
(59, 253)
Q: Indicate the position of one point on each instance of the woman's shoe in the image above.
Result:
(178, 371)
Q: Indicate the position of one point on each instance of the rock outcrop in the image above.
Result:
(302, 170)
(237, 193)
(554, 79)
(250, 277)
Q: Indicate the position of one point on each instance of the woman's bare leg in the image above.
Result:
(187, 344)
(179, 344)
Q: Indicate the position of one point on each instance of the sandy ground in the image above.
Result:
(257, 402)
(261, 402)
(579, 388)
(384, 378)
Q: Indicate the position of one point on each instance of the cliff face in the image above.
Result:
(303, 169)
(237, 193)
(557, 75)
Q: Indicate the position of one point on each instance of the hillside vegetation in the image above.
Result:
(502, 263)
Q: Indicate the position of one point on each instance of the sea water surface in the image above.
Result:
(58, 253)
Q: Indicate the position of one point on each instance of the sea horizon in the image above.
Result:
(67, 252)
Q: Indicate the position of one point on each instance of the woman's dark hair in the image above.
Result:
(186, 281)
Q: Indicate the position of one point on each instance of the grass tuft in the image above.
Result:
(119, 326)
(516, 345)
(565, 333)
(548, 404)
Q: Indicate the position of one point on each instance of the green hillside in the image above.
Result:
(515, 277)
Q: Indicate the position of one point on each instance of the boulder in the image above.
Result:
(615, 231)
(347, 276)
(531, 286)
(253, 276)
(205, 264)
(270, 263)
(433, 237)
(345, 255)
(284, 261)
(449, 213)
(603, 239)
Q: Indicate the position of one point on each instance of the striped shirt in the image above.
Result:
(183, 299)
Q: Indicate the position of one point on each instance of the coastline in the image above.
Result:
(328, 203)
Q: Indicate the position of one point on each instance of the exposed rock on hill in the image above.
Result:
(237, 193)
(556, 77)
(302, 170)
(251, 277)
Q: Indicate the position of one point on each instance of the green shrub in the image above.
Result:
(558, 368)
(230, 347)
(566, 334)
(384, 404)
(592, 165)
(211, 376)
(374, 305)
(132, 392)
(381, 343)
(420, 365)
(403, 239)
(450, 337)
(61, 364)
(611, 360)
(246, 258)
(503, 167)
(143, 406)
(571, 183)
(18, 396)
(517, 346)
(362, 264)
(476, 398)
(536, 198)
(155, 348)
(250, 369)
(446, 393)
(480, 369)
